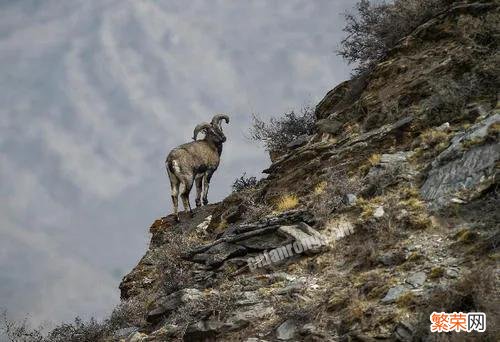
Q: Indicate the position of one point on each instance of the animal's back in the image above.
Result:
(192, 154)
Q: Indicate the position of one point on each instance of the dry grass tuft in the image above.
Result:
(494, 130)
(286, 202)
(468, 144)
(320, 188)
(466, 236)
(407, 300)
(374, 159)
(436, 273)
(414, 257)
(367, 207)
(432, 137)
(356, 308)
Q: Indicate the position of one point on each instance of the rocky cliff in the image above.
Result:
(387, 213)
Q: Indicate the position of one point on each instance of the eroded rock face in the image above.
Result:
(340, 97)
(465, 168)
(332, 99)
(164, 305)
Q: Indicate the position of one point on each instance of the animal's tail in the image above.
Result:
(171, 166)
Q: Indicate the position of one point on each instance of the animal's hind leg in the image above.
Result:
(199, 183)
(187, 182)
(174, 186)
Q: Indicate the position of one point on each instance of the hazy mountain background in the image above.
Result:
(94, 93)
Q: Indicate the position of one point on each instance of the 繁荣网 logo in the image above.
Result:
(458, 322)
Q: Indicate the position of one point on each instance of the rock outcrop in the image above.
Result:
(387, 212)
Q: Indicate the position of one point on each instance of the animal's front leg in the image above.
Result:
(206, 180)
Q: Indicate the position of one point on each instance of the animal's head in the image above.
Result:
(213, 130)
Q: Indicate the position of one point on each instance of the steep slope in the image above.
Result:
(387, 213)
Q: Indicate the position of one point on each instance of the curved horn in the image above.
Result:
(199, 128)
(218, 118)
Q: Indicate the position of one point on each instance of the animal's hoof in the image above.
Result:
(191, 214)
(205, 202)
(198, 204)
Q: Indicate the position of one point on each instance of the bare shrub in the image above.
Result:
(80, 331)
(76, 331)
(243, 183)
(279, 132)
(248, 204)
(375, 28)
(286, 202)
(19, 331)
(175, 272)
(255, 207)
(214, 305)
(129, 313)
